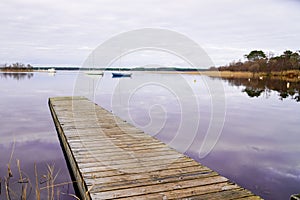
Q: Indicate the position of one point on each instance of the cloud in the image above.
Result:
(30, 28)
(85, 48)
(44, 48)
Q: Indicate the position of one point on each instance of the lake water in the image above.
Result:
(247, 130)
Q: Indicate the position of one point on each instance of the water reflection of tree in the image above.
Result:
(257, 87)
(16, 75)
(253, 92)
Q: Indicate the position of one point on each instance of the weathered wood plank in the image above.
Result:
(161, 187)
(224, 194)
(117, 182)
(158, 174)
(199, 192)
(111, 159)
(179, 163)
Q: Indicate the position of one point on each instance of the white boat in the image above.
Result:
(51, 70)
(100, 73)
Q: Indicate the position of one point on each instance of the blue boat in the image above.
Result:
(119, 74)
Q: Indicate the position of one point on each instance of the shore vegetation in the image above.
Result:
(16, 67)
(259, 61)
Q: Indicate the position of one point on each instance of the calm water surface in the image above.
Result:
(27, 131)
(258, 147)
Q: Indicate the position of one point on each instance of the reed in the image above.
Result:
(45, 183)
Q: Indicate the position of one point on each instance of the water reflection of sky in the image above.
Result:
(27, 123)
(259, 144)
(258, 147)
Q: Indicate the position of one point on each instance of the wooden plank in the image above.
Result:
(161, 187)
(224, 194)
(179, 163)
(115, 183)
(110, 158)
(199, 192)
(157, 175)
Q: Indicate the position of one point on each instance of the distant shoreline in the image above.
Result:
(289, 75)
(16, 70)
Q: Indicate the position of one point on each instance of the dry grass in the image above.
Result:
(43, 184)
(221, 74)
(228, 74)
(290, 75)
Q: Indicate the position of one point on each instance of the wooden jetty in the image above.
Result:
(111, 159)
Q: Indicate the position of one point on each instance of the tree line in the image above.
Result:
(16, 67)
(258, 61)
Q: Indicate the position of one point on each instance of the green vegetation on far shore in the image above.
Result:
(258, 61)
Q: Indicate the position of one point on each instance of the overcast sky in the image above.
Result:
(64, 32)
